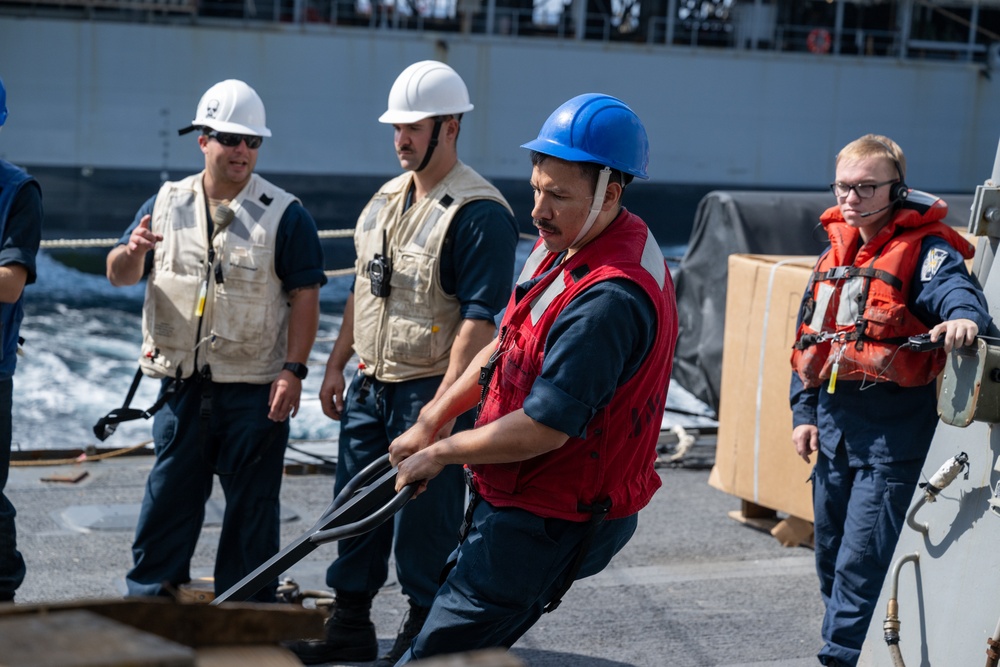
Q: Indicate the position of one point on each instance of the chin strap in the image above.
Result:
(595, 207)
(432, 145)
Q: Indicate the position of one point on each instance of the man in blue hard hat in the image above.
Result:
(20, 235)
(571, 393)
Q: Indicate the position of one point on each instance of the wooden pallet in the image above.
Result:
(790, 531)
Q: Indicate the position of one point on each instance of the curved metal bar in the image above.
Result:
(367, 474)
(368, 523)
(911, 516)
(354, 511)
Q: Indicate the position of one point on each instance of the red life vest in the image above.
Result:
(866, 343)
(615, 459)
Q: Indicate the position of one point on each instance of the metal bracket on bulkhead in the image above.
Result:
(970, 385)
(984, 219)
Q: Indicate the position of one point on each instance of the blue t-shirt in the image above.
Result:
(22, 234)
(882, 421)
(482, 229)
(298, 256)
(23, 231)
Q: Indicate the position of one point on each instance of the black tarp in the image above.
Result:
(762, 223)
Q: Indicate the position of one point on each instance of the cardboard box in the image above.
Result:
(755, 459)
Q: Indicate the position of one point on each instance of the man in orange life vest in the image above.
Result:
(861, 398)
(572, 393)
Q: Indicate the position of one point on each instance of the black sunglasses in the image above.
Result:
(231, 140)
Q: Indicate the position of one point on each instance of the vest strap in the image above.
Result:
(598, 512)
(107, 424)
(844, 272)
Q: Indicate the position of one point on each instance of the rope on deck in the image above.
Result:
(86, 457)
(110, 243)
(82, 458)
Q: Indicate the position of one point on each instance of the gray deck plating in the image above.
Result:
(693, 588)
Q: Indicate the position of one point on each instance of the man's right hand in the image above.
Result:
(805, 437)
(331, 393)
(142, 239)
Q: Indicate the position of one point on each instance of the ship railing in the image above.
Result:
(160, 6)
(752, 26)
(844, 42)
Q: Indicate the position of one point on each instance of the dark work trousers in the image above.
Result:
(859, 513)
(425, 530)
(11, 562)
(508, 568)
(248, 457)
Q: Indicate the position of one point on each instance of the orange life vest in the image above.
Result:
(856, 316)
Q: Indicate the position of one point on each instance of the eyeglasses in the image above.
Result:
(231, 140)
(862, 190)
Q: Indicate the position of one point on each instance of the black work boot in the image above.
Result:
(350, 633)
(412, 623)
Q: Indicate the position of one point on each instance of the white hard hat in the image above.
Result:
(230, 106)
(425, 89)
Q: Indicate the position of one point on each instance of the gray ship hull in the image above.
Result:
(95, 105)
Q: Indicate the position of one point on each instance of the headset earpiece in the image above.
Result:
(897, 191)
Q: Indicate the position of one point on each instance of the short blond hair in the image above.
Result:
(874, 145)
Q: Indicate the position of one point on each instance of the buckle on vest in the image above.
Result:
(838, 273)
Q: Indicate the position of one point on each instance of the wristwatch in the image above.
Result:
(298, 370)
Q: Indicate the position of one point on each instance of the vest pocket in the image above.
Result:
(243, 321)
(169, 311)
(409, 337)
(240, 326)
(883, 319)
(519, 368)
(503, 476)
(410, 321)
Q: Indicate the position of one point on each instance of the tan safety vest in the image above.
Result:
(242, 333)
(408, 335)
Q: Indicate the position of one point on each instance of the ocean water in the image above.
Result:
(82, 341)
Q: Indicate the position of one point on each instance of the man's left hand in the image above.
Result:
(411, 441)
(957, 333)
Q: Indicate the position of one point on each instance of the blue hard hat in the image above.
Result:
(595, 128)
(3, 104)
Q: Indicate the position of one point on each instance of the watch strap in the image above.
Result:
(298, 370)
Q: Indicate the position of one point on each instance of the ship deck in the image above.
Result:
(693, 588)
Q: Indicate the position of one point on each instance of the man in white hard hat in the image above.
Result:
(435, 250)
(20, 235)
(234, 268)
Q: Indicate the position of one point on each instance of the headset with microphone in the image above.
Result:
(878, 210)
(898, 192)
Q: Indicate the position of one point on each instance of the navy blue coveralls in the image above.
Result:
(20, 235)
(375, 413)
(243, 447)
(873, 438)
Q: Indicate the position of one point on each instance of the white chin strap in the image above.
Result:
(595, 208)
